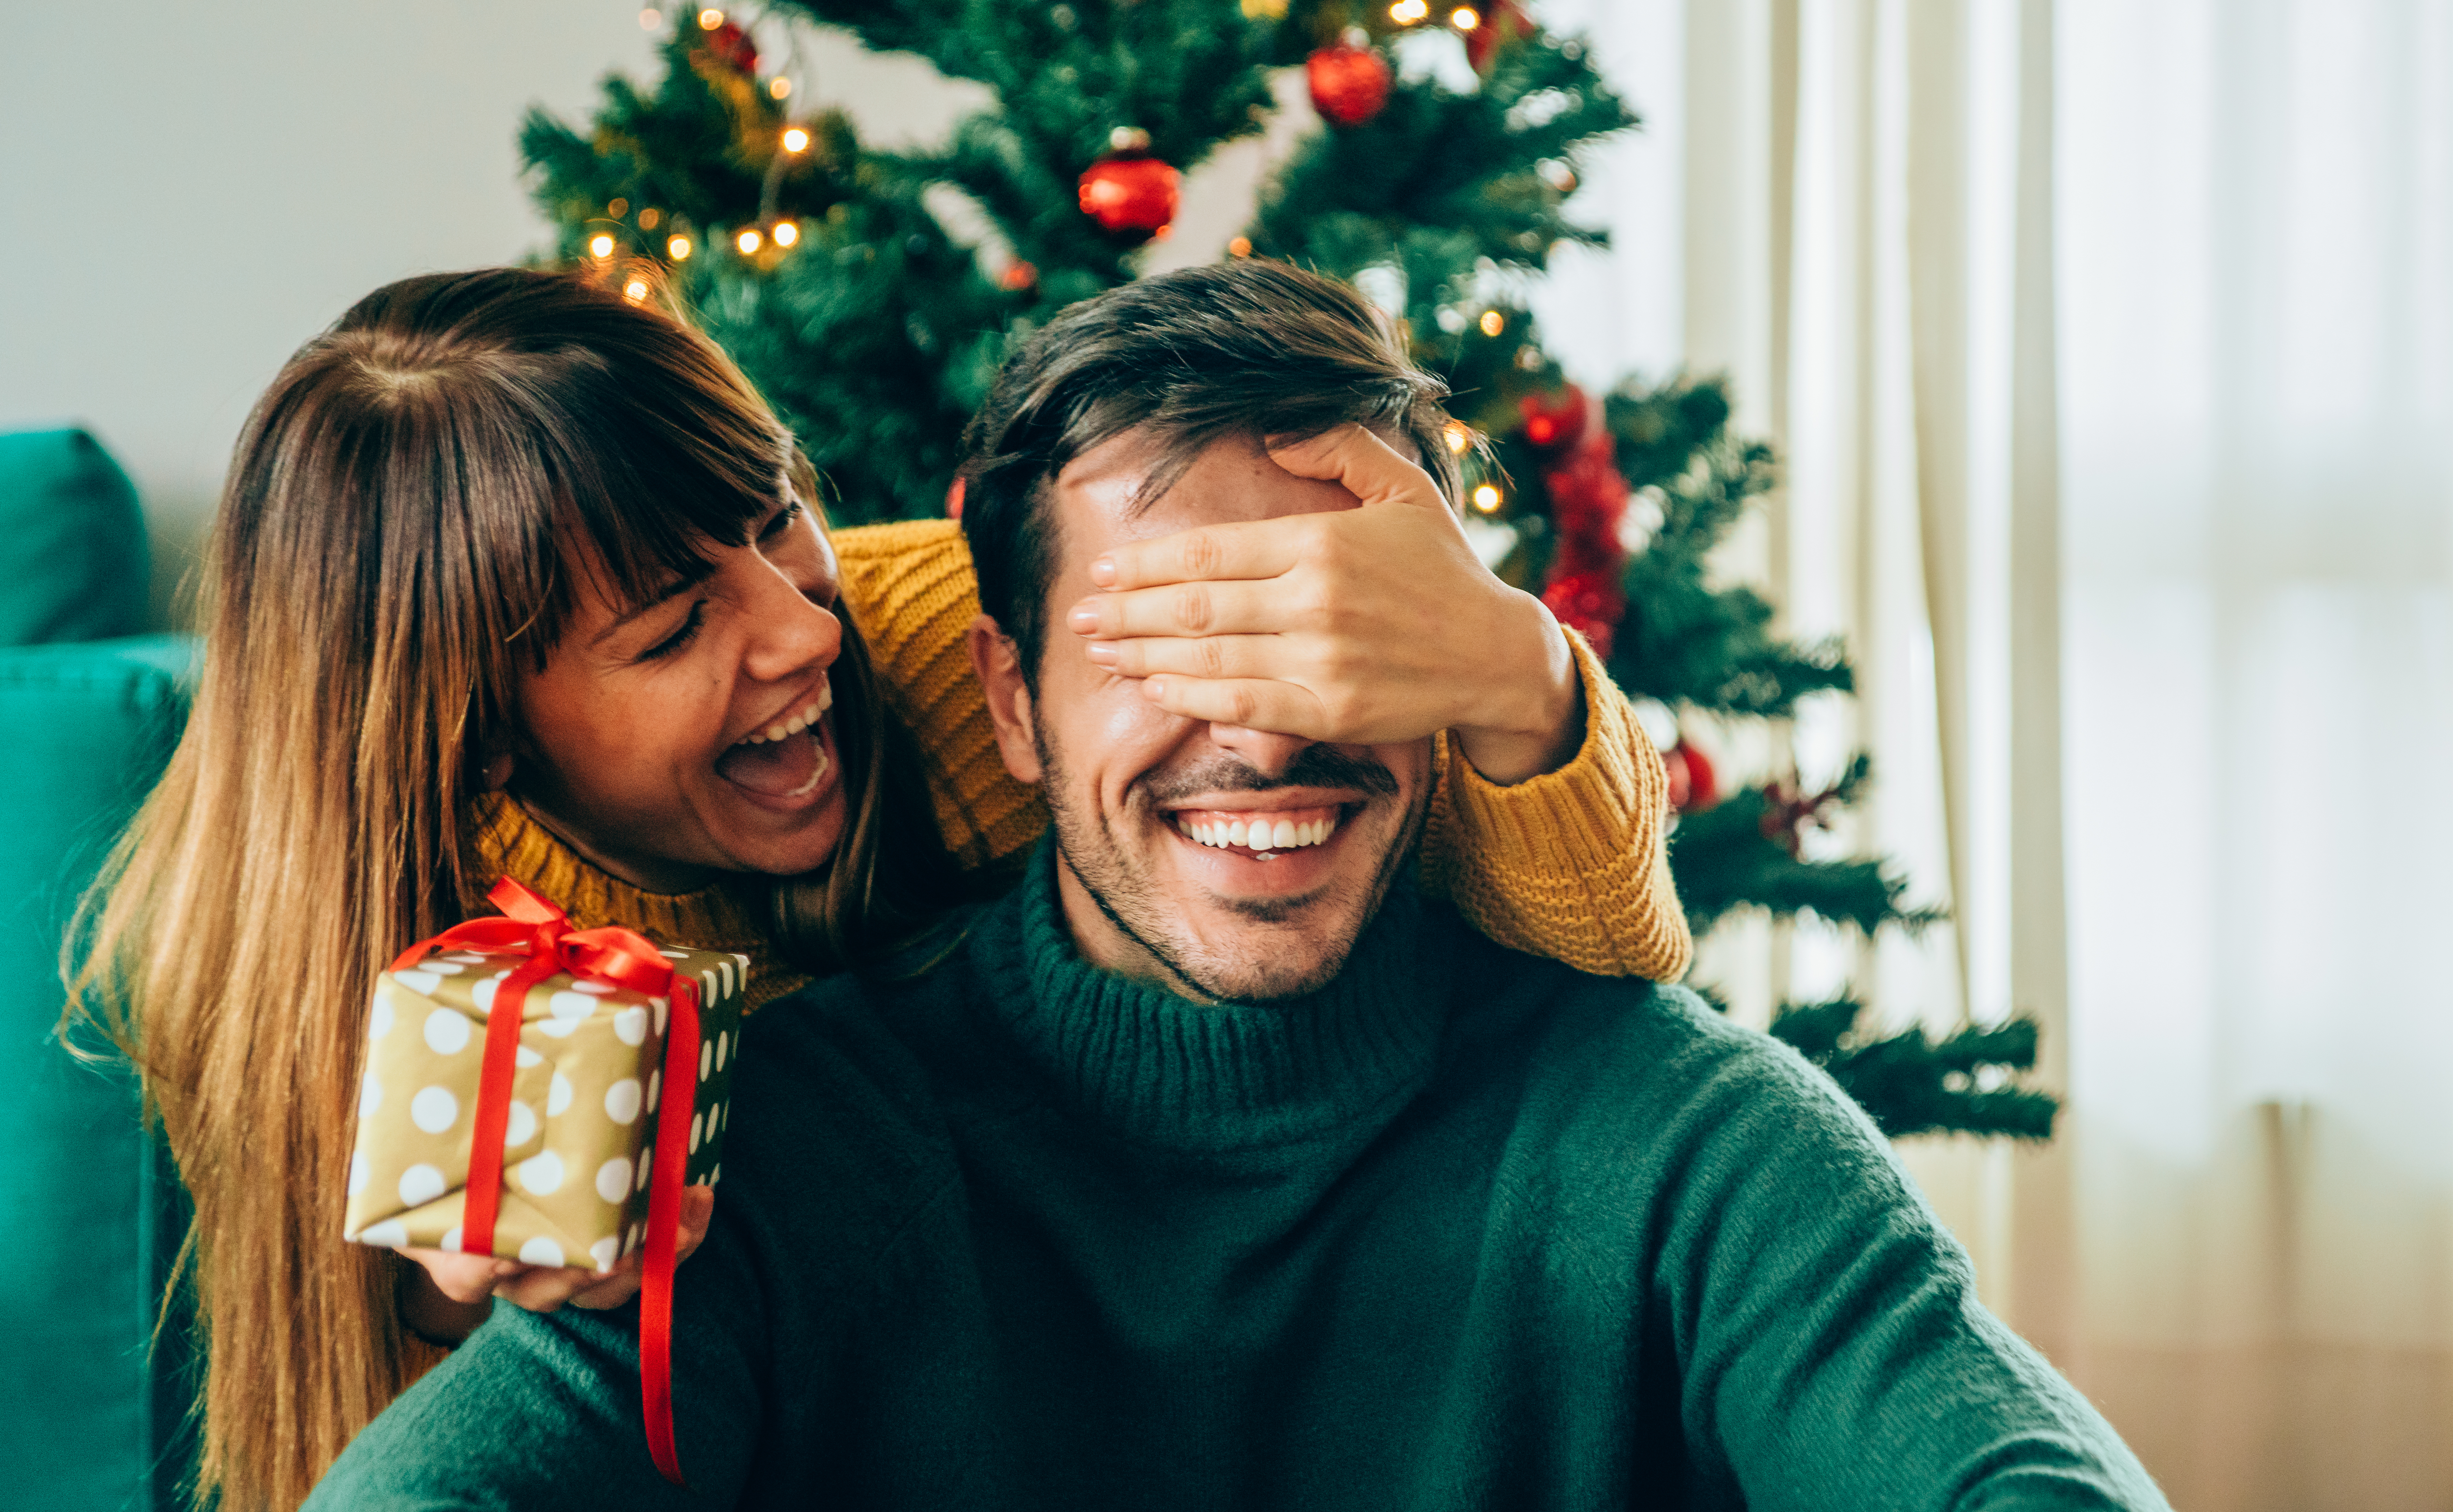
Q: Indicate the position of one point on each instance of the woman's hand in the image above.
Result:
(449, 1294)
(1358, 626)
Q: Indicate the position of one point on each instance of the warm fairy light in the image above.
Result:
(748, 242)
(1493, 322)
(795, 139)
(779, 86)
(678, 248)
(786, 232)
(649, 217)
(618, 208)
(635, 291)
(1459, 438)
(1405, 12)
(1486, 499)
(1465, 18)
(1240, 246)
(709, 19)
(600, 245)
(650, 19)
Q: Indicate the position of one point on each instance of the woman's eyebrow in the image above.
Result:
(672, 590)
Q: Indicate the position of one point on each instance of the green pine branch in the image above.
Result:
(1912, 1083)
(1683, 640)
(1438, 183)
(1722, 860)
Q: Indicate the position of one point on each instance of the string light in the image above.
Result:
(1493, 322)
(779, 86)
(649, 217)
(709, 19)
(1405, 12)
(795, 139)
(678, 248)
(748, 242)
(786, 232)
(618, 208)
(600, 245)
(635, 291)
(1240, 246)
(1465, 18)
(1486, 499)
(650, 19)
(1458, 437)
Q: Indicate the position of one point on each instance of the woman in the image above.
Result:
(514, 575)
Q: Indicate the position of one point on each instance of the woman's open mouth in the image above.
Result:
(786, 762)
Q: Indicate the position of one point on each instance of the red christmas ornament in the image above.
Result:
(1588, 500)
(1554, 420)
(1130, 193)
(732, 48)
(1692, 782)
(1348, 84)
(1588, 603)
(1500, 22)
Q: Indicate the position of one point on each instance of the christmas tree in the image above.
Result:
(821, 265)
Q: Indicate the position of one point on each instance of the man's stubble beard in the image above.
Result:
(1106, 868)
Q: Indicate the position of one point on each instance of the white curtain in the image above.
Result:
(2256, 255)
(2110, 347)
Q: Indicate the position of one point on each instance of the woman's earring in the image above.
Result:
(498, 773)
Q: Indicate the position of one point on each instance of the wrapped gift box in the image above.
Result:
(578, 1140)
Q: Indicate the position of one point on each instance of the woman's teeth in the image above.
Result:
(1258, 834)
(795, 723)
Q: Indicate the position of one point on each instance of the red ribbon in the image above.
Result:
(619, 958)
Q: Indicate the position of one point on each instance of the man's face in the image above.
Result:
(1217, 861)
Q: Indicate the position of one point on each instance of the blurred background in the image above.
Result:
(2106, 351)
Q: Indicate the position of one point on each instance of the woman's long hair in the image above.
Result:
(389, 555)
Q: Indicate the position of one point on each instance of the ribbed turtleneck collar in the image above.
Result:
(1163, 1070)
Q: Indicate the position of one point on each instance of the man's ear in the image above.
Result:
(999, 666)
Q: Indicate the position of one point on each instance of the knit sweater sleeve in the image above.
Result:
(1832, 1352)
(1570, 865)
(541, 1411)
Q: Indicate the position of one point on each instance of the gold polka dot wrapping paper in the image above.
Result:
(578, 1143)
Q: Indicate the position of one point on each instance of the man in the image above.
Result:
(1213, 1167)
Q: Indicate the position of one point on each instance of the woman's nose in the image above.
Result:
(790, 634)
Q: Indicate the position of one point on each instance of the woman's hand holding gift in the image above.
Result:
(449, 1294)
(1361, 626)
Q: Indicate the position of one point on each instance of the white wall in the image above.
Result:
(194, 189)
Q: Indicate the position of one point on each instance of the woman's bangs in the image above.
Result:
(658, 502)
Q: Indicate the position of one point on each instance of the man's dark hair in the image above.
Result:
(1241, 347)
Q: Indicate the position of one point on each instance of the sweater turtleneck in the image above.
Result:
(1168, 1072)
(729, 915)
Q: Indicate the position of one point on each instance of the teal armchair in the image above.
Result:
(94, 1407)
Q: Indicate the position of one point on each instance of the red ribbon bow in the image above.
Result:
(617, 958)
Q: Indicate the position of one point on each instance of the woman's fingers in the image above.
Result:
(464, 1279)
(543, 1289)
(619, 1285)
(1267, 657)
(1250, 548)
(610, 1290)
(1283, 709)
(1191, 609)
(698, 1211)
(1368, 467)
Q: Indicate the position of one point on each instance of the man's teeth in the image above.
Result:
(795, 723)
(1260, 834)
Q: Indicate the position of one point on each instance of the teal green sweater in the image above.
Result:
(1467, 1230)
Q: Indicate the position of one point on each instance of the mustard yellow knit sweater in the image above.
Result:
(1568, 864)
